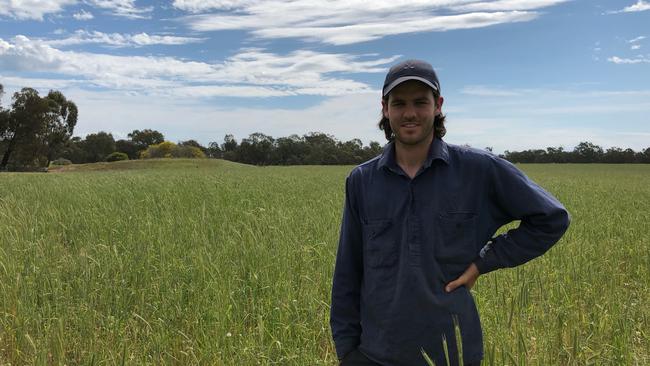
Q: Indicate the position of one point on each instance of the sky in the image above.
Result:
(515, 74)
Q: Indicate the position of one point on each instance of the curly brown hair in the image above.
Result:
(439, 129)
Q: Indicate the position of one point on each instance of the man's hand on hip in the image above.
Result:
(468, 278)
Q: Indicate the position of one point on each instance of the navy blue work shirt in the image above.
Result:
(402, 240)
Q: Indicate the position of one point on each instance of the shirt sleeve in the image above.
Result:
(346, 288)
(515, 197)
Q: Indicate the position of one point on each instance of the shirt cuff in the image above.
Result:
(345, 346)
(485, 262)
(482, 266)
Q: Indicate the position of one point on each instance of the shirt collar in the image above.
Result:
(437, 151)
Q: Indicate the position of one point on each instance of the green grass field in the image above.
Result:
(210, 262)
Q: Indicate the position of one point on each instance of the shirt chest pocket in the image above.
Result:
(380, 244)
(456, 237)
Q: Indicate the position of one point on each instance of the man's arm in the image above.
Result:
(346, 288)
(543, 219)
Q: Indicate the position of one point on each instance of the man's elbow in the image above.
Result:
(564, 222)
(553, 228)
(557, 226)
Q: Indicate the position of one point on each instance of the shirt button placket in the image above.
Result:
(413, 226)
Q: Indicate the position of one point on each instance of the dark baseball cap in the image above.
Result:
(411, 70)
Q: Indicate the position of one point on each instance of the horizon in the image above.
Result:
(515, 75)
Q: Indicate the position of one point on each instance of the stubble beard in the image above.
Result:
(426, 135)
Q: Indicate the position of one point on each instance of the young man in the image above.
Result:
(418, 229)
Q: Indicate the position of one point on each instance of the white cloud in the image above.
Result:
(351, 21)
(32, 9)
(122, 8)
(635, 42)
(356, 33)
(637, 39)
(251, 72)
(196, 6)
(339, 6)
(641, 5)
(39, 83)
(83, 15)
(120, 40)
(36, 9)
(504, 5)
(637, 60)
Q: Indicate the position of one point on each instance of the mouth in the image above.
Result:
(410, 125)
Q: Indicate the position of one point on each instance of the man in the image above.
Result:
(417, 231)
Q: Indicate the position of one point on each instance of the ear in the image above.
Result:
(439, 103)
(384, 107)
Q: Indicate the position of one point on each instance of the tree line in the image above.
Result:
(36, 131)
(321, 149)
(314, 148)
(584, 152)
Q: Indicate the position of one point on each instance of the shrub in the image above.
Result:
(169, 149)
(161, 150)
(117, 156)
(188, 152)
(61, 161)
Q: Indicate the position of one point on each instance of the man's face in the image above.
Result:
(411, 110)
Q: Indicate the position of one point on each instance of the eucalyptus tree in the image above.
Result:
(35, 128)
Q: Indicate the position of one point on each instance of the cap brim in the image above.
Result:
(398, 81)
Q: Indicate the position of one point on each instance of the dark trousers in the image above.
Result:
(356, 358)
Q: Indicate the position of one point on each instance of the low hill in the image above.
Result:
(148, 164)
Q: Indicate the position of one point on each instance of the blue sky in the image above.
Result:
(515, 74)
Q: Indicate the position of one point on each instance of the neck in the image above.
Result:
(411, 157)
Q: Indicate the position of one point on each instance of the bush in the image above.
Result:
(60, 161)
(117, 156)
(188, 152)
(161, 150)
(169, 149)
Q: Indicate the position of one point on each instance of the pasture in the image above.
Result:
(211, 262)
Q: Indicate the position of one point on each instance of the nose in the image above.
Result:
(409, 112)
